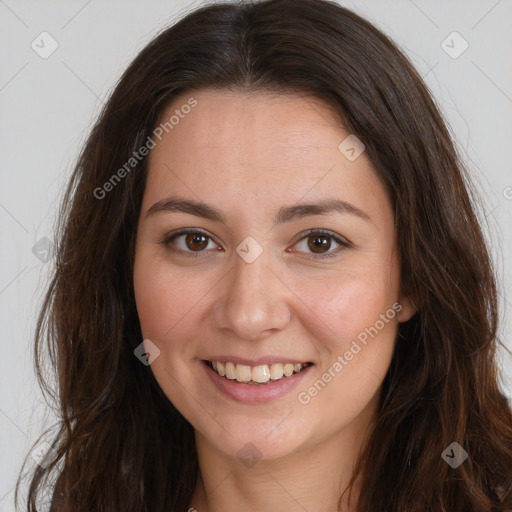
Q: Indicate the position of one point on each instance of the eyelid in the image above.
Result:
(327, 232)
(186, 231)
(342, 241)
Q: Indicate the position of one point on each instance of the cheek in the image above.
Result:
(166, 299)
(348, 302)
(167, 305)
(359, 320)
(355, 315)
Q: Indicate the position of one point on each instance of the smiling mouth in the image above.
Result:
(261, 374)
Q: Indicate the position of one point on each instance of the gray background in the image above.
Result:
(47, 107)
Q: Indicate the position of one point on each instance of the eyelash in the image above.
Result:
(196, 254)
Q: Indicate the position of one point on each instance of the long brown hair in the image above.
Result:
(120, 444)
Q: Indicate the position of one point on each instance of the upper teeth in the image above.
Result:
(261, 373)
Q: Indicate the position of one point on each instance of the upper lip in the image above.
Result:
(257, 361)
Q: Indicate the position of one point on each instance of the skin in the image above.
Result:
(248, 155)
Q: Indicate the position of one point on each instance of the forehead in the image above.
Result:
(232, 145)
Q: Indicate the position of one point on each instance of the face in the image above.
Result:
(266, 253)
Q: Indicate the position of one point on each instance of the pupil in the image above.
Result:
(319, 242)
(196, 239)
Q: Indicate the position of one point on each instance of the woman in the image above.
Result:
(271, 289)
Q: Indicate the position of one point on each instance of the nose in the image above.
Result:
(254, 301)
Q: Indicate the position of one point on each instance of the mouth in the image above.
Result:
(259, 375)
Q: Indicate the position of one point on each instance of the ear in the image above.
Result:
(408, 309)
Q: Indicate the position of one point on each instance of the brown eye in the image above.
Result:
(189, 242)
(196, 241)
(319, 243)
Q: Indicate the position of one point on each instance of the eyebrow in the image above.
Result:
(285, 213)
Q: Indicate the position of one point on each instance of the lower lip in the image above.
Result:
(255, 393)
